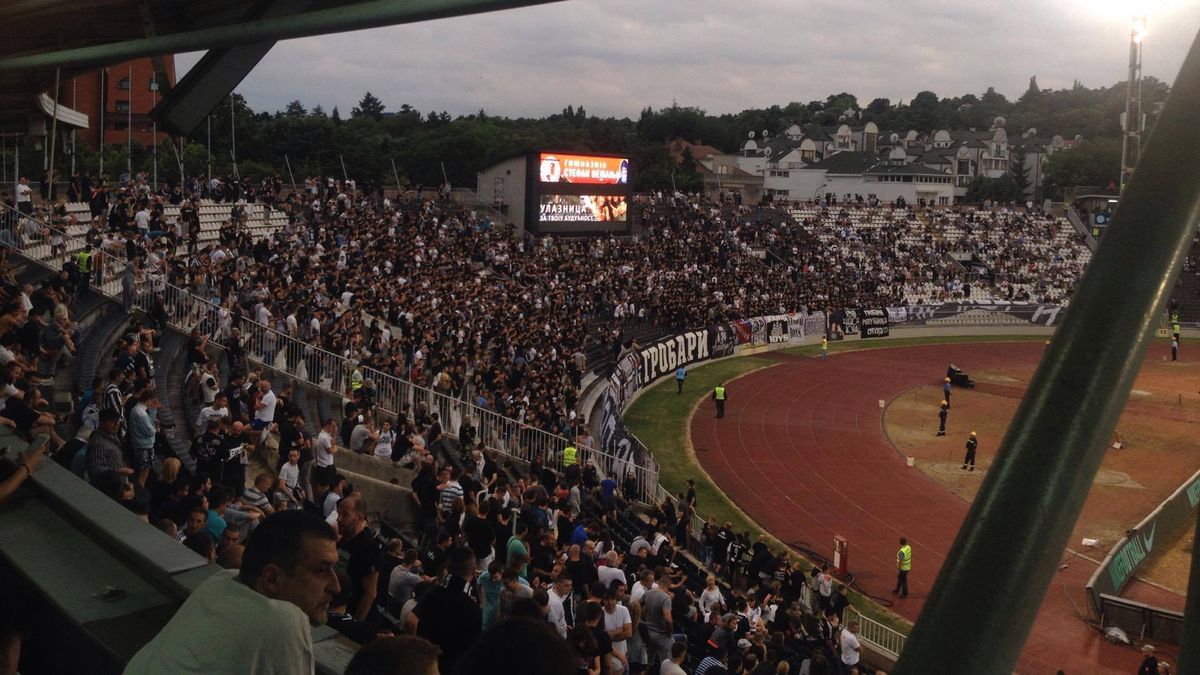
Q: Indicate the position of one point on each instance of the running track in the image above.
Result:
(802, 450)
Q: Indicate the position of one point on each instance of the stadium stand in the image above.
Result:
(429, 292)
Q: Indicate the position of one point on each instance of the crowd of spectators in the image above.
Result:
(431, 291)
(426, 289)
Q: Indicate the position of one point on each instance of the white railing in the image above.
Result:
(879, 637)
(306, 362)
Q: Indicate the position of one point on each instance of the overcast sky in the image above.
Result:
(617, 56)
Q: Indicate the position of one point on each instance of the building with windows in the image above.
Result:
(807, 163)
(118, 100)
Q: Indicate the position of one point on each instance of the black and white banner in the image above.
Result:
(664, 356)
(873, 323)
(722, 339)
(919, 315)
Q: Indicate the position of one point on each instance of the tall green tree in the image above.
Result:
(368, 106)
(1093, 163)
(687, 175)
(1018, 170)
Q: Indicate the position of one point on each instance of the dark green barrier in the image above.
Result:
(1132, 550)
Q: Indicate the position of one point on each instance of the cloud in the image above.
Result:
(616, 57)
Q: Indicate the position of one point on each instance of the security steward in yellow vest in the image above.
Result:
(720, 396)
(903, 565)
(570, 456)
(84, 262)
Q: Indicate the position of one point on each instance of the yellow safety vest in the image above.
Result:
(356, 379)
(570, 456)
(720, 393)
(85, 261)
(904, 558)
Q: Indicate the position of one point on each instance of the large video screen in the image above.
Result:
(582, 169)
(583, 209)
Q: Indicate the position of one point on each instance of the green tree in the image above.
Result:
(295, 109)
(1093, 163)
(1018, 170)
(1002, 189)
(368, 106)
(1032, 93)
(687, 175)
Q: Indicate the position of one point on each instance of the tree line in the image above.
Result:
(428, 148)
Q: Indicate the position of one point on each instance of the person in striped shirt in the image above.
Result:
(449, 491)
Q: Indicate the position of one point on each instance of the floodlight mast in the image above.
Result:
(1132, 121)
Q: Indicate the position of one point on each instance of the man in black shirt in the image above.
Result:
(591, 613)
(291, 435)
(359, 541)
(208, 451)
(449, 616)
(340, 618)
(479, 533)
(721, 547)
(435, 557)
(737, 550)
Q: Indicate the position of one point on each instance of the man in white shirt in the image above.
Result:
(24, 197)
(850, 645)
(289, 473)
(284, 587)
(611, 570)
(646, 583)
(142, 218)
(560, 591)
(619, 626)
(217, 409)
(323, 451)
(264, 409)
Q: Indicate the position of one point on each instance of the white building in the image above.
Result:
(804, 163)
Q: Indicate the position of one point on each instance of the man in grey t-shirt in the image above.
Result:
(404, 579)
(656, 614)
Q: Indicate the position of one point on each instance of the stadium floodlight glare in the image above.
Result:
(1122, 10)
(1139, 29)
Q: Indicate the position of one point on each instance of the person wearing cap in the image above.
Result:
(946, 391)
(969, 460)
(943, 412)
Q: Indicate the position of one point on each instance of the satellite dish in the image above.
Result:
(998, 122)
(766, 133)
(843, 117)
(767, 151)
(751, 135)
(895, 137)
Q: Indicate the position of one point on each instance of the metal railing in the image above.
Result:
(304, 361)
(887, 641)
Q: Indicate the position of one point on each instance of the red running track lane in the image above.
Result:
(802, 450)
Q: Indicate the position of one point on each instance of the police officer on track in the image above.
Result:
(720, 396)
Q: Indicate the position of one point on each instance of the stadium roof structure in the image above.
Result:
(48, 37)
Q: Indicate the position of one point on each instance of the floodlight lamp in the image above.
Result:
(1139, 29)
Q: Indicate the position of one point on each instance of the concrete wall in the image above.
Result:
(505, 180)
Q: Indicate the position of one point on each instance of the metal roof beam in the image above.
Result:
(369, 14)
